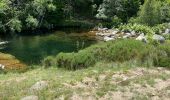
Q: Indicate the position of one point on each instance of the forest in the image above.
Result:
(84, 49)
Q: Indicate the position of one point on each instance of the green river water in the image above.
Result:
(32, 49)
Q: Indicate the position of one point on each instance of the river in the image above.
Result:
(32, 49)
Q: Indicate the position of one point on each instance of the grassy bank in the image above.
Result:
(118, 69)
(92, 83)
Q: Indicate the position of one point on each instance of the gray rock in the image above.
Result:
(158, 38)
(106, 38)
(133, 33)
(114, 32)
(39, 86)
(127, 35)
(32, 97)
(142, 37)
(167, 31)
(99, 34)
(102, 29)
(108, 34)
(2, 66)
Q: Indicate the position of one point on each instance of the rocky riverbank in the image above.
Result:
(106, 34)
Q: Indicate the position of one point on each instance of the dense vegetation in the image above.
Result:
(20, 15)
(117, 51)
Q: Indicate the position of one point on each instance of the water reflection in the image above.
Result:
(32, 49)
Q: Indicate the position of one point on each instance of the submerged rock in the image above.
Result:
(9, 63)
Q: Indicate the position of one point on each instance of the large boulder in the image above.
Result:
(158, 38)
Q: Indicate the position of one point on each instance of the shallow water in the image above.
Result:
(32, 49)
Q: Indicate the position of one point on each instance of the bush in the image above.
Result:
(129, 49)
(48, 61)
(114, 51)
(118, 51)
(164, 55)
(75, 60)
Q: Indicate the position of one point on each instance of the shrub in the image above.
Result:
(125, 50)
(122, 50)
(48, 61)
(114, 51)
(167, 36)
(74, 61)
(164, 55)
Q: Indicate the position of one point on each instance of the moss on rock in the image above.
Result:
(10, 63)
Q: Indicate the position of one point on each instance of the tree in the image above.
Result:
(123, 9)
(154, 12)
(18, 15)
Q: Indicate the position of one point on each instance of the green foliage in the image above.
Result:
(15, 25)
(117, 51)
(76, 23)
(126, 50)
(124, 9)
(160, 28)
(164, 55)
(167, 36)
(113, 22)
(48, 61)
(31, 22)
(17, 15)
(149, 13)
(153, 12)
(34, 14)
(139, 28)
(75, 60)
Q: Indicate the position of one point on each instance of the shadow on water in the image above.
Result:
(32, 49)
